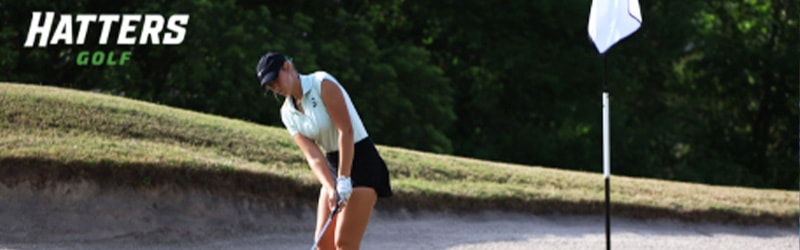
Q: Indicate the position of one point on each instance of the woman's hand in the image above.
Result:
(333, 198)
(344, 187)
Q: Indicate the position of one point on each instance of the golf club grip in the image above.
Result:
(325, 227)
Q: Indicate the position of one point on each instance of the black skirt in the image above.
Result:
(369, 169)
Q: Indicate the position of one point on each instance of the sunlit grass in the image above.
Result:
(91, 130)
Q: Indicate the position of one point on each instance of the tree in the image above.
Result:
(704, 92)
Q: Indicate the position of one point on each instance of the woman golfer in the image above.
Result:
(323, 122)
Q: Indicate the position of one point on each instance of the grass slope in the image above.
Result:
(55, 134)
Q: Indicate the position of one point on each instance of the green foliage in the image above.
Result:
(704, 91)
(743, 63)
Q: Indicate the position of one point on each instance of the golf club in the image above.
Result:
(325, 227)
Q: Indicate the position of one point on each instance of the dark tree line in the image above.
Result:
(705, 91)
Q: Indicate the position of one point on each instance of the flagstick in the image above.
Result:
(606, 151)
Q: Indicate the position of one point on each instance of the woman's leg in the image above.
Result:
(323, 212)
(353, 219)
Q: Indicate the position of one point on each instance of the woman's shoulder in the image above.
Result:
(319, 76)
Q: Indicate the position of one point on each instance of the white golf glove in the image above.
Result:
(344, 187)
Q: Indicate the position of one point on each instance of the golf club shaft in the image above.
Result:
(325, 227)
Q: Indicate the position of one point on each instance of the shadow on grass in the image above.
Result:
(455, 204)
(38, 172)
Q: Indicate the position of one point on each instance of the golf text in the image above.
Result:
(130, 29)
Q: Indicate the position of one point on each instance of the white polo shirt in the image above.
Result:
(316, 123)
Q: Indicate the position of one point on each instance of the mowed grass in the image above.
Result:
(55, 134)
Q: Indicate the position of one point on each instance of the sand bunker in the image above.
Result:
(83, 215)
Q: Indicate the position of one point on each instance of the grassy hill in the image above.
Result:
(54, 134)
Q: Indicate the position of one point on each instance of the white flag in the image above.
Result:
(613, 20)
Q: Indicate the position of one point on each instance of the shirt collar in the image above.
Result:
(305, 83)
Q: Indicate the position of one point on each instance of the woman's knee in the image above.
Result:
(346, 243)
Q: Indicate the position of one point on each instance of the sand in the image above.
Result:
(83, 215)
